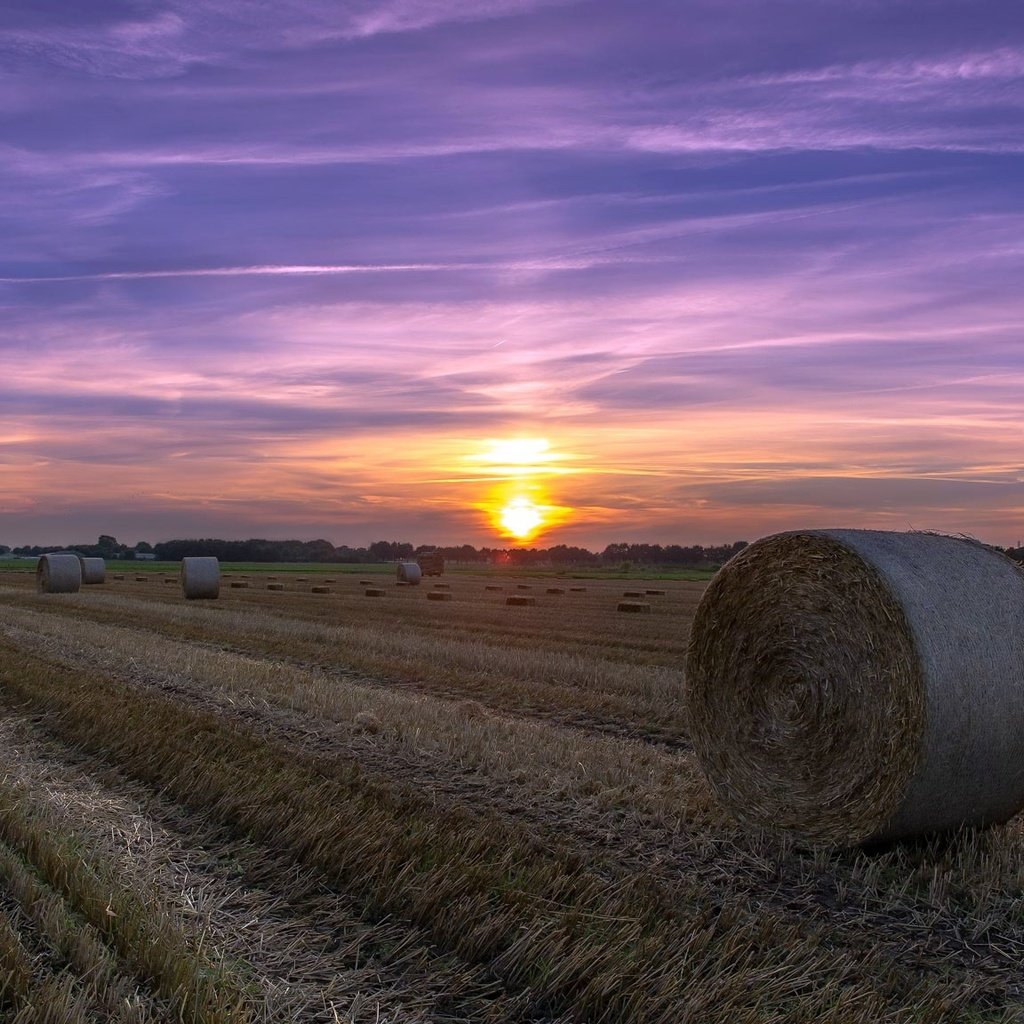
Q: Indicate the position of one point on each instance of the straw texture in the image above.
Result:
(858, 685)
(409, 572)
(58, 574)
(94, 570)
(200, 578)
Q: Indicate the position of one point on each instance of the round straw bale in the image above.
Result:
(321, 590)
(373, 592)
(520, 599)
(200, 578)
(637, 607)
(409, 572)
(856, 685)
(58, 574)
(554, 590)
(439, 595)
(275, 586)
(94, 570)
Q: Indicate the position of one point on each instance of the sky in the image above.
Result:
(677, 272)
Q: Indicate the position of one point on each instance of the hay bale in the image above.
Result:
(366, 583)
(524, 586)
(239, 585)
(657, 593)
(275, 586)
(200, 578)
(520, 600)
(94, 570)
(554, 590)
(373, 592)
(495, 588)
(439, 595)
(58, 574)
(118, 575)
(141, 579)
(442, 586)
(636, 607)
(409, 572)
(633, 593)
(578, 590)
(171, 581)
(321, 590)
(855, 685)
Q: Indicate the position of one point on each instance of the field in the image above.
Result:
(287, 806)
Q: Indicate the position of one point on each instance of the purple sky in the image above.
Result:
(296, 268)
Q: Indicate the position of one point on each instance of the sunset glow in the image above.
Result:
(477, 291)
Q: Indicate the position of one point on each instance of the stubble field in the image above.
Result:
(287, 806)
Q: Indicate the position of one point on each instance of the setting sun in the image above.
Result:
(520, 517)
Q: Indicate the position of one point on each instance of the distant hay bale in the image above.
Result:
(330, 581)
(275, 586)
(118, 576)
(239, 585)
(321, 590)
(856, 685)
(169, 580)
(554, 590)
(409, 572)
(494, 587)
(200, 578)
(366, 583)
(578, 590)
(141, 579)
(521, 600)
(636, 607)
(94, 570)
(439, 595)
(373, 592)
(58, 574)
(524, 586)
(656, 593)
(366, 721)
(633, 593)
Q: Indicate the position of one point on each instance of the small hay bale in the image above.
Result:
(366, 583)
(141, 579)
(554, 590)
(118, 576)
(366, 721)
(172, 582)
(657, 593)
(373, 592)
(439, 595)
(409, 572)
(856, 685)
(494, 587)
(524, 586)
(636, 607)
(520, 600)
(442, 586)
(94, 570)
(58, 574)
(275, 586)
(200, 578)
(321, 590)
(239, 585)
(633, 593)
(578, 590)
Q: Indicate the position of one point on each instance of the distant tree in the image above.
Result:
(4, 549)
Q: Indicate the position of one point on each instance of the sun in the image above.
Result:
(520, 517)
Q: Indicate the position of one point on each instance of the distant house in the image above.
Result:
(145, 556)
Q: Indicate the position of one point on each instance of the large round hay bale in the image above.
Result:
(58, 574)
(94, 570)
(409, 572)
(200, 578)
(856, 685)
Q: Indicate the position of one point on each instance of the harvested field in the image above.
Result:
(278, 808)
